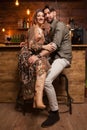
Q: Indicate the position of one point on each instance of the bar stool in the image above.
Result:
(21, 104)
(69, 99)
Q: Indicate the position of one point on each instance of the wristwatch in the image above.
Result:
(39, 56)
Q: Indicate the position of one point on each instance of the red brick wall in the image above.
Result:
(10, 14)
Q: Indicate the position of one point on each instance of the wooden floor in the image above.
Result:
(10, 119)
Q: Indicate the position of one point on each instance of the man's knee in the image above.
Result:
(47, 83)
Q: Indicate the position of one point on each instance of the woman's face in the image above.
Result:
(40, 18)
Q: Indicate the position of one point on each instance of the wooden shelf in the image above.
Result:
(12, 43)
(23, 29)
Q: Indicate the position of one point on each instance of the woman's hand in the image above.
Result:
(22, 44)
(33, 59)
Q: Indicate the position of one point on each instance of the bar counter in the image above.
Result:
(9, 77)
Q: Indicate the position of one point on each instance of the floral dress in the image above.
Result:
(28, 72)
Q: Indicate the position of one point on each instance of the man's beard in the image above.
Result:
(50, 21)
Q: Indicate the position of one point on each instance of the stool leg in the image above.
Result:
(24, 107)
(18, 98)
(70, 106)
(20, 102)
(69, 100)
(68, 96)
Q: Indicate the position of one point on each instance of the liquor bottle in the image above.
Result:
(28, 24)
(20, 23)
(72, 23)
(24, 24)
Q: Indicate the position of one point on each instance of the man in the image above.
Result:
(61, 58)
(59, 35)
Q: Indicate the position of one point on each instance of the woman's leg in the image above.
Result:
(24, 71)
(39, 85)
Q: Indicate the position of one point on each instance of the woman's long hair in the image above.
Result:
(35, 15)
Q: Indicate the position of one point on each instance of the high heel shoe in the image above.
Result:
(38, 105)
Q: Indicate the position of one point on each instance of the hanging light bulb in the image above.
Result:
(28, 12)
(17, 3)
(3, 29)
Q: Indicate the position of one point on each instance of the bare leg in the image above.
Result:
(38, 97)
(39, 85)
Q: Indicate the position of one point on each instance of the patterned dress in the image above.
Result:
(28, 72)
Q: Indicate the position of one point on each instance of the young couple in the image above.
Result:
(45, 43)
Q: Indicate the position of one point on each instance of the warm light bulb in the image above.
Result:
(3, 29)
(28, 12)
(17, 3)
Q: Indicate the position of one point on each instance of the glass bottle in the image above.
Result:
(28, 24)
(24, 23)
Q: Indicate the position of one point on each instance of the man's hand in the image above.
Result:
(50, 47)
(32, 59)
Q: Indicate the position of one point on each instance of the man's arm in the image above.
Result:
(61, 34)
(46, 50)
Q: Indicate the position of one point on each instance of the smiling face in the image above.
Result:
(40, 18)
(49, 16)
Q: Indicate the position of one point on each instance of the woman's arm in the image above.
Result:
(47, 49)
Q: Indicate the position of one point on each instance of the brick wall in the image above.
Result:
(10, 14)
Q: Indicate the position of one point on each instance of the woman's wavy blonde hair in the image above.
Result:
(35, 15)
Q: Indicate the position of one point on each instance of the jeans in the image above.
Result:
(56, 68)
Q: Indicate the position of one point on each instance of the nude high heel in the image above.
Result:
(37, 103)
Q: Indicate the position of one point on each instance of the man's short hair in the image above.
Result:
(49, 7)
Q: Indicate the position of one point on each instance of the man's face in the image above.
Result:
(49, 16)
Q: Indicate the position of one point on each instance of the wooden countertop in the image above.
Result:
(18, 46)
(80, 45)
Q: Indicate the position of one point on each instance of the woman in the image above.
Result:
(33, 75)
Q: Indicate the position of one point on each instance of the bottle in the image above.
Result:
(24, 23)
(20, 23)
(72, 23)
(28, 25)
